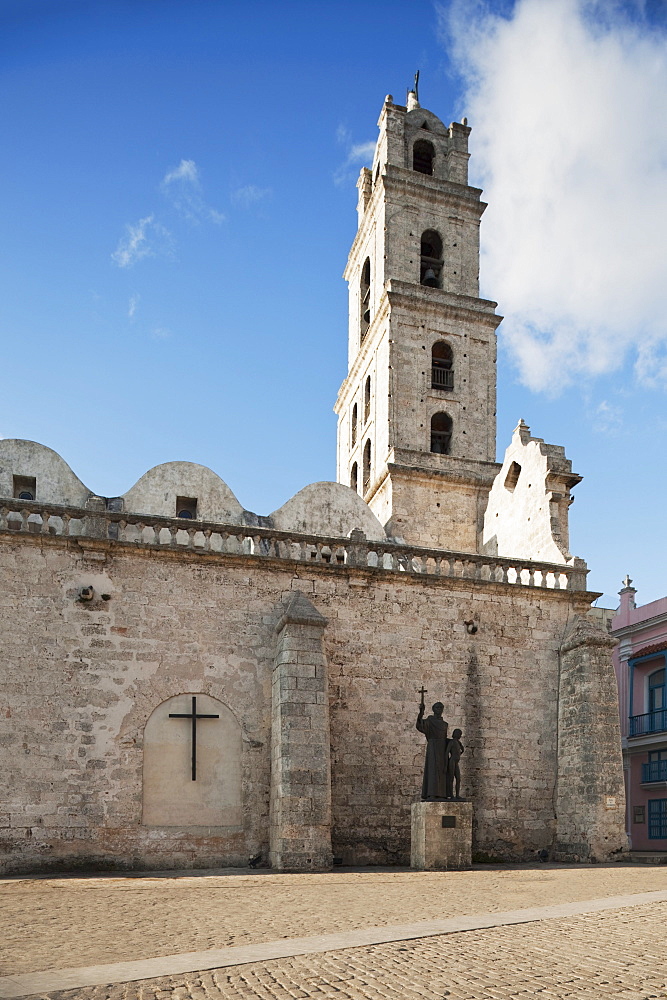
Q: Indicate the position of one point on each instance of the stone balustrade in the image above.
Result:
(95, 522)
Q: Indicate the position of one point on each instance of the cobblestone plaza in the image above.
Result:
(609, 943)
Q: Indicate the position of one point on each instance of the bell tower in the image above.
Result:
(416, 413)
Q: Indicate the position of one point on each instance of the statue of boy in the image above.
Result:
(454, 751)
(434, 729)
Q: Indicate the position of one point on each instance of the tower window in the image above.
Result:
(442, 366)
(354, 424)
(354, 477)
(441, 433)
(365, 298)
(367, 400)
(512, 477)
(25, 488)
(431, 259)
(423, 155)
(186, 507)
(366, 483)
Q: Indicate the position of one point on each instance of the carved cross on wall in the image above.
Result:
(193, 716)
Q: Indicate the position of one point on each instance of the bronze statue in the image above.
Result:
(434, 728)
(454, 751)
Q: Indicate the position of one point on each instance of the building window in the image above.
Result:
(367, 468)
(354, 424)
(25, 488)
(367, 400)
(512, 477)
(431, 259)
(656, 691)
(656, 769)
(441, 433)
(354, 477)
(186, 507)
(365, 298)
(638, 814)
(442, 366)
(657, 819)
(423, 155)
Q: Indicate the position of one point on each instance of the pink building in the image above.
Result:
(640, 659)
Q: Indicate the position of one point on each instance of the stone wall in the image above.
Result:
(81, 680)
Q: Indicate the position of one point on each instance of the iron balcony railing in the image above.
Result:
(655, 770)
(650, 722)
(442, 378)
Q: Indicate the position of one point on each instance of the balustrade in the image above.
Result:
(21, 516)
(649, 722)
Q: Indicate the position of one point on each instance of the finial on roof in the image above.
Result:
(627, 582)
(413, 95)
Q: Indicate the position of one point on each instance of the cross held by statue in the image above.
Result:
(422, 692)
(193, 716)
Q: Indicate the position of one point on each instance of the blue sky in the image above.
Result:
(179, 201)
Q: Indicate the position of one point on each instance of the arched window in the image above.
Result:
(367, 399)
(431, 259)
(366, 481)
(441, 433)
(512, 477)
(354, 424)
(423, 155)
(442, 362)
(354, 477)
(365, 298)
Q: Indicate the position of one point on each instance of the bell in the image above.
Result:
(430, 279)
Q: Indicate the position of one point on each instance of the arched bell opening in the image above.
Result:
(431, 259)
(366, 481)
(365, 298)
(423, 156)
(442, 366)
(441, 433)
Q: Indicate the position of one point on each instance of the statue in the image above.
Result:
(454, 751)
(434, 728)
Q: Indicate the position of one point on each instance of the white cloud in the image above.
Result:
(132, 306)
(147, 238)
(358, 153)
(161, 333)
(249, 195)
(566, 99)
(185, 171)
(608, 418)
(182, 186)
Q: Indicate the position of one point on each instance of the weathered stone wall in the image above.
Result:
(81, 680)
(591, 793)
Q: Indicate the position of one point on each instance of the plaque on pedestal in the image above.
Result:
(441, 836)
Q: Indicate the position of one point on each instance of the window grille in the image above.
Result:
(657, 819)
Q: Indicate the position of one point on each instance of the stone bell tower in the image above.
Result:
(416, 413)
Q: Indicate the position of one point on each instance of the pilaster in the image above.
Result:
(590, 802)
(300, 834)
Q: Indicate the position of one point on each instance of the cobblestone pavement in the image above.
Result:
(61, 922)
(615, 953)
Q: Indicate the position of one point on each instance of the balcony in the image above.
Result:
(442, 378)
(655, 770)
(650, 722)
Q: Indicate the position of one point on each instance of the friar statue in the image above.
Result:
(434, 728)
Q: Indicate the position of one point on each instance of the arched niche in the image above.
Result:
(171, 797)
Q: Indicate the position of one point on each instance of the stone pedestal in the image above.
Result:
(441, 835)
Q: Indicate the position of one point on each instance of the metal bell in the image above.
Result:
(430, 279)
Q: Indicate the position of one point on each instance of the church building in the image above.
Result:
(189, 684)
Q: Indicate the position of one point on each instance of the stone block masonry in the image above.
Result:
(300, 825)
(80, 681)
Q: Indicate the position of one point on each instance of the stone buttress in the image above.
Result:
(300, 823)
